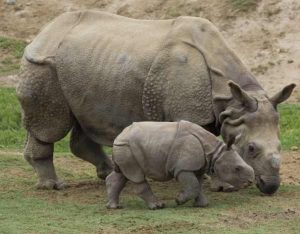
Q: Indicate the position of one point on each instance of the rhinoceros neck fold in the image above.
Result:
(212, 157)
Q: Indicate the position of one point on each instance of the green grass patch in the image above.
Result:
(290, 125)
(244, 5)
(11, 51)
(81, 208)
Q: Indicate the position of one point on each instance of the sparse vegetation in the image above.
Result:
(244, 5)
(11, 51)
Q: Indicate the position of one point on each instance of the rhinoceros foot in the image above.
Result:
(201, 201)
(111, 205)
(102, 173)
(104, 169)
(51, 184)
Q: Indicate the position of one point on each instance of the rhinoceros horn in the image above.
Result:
(230, 142)
(241, 96)
(282, 95)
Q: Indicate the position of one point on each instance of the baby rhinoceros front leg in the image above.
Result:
(144, 191)
(192, 189)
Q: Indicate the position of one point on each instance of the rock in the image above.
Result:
(294, 148)
(21, 13)
(10, 2)
(283, 50)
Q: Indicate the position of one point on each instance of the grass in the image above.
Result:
(12, 134)
(11, 51)
(290, 125)
(244, 5)
(81, 208)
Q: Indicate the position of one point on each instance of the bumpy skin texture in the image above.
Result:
(102, 72)
(165, 150)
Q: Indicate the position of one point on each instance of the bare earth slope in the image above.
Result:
(267, 37)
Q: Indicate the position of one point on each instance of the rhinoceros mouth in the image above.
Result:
(267, 184)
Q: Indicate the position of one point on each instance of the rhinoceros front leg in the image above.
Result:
(83, 147)
(144, 191)
(217, 186)
(40, 155)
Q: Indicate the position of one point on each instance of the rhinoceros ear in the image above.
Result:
(282, 95)
(240, 95)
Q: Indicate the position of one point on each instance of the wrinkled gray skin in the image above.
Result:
(95, 73)
(165, 150)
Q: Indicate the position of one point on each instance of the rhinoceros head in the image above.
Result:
(252, 118)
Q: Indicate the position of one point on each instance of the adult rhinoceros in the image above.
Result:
(96, 73)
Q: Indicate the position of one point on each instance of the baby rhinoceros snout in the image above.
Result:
(246, 174)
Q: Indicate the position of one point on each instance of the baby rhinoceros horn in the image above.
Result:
(230, 142)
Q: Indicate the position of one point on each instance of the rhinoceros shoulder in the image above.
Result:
(178, 85)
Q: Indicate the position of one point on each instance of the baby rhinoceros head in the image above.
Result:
(232, 169)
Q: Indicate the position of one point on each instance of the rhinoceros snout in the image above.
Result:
(268, 184)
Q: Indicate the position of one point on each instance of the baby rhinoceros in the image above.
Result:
(165, 150)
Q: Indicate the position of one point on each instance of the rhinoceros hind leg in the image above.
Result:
(40, 155)
(144, 191)
(83, 147)
(115, 182)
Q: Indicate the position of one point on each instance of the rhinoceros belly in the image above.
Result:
(102, 68)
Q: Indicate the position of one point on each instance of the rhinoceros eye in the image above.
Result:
(252, 149)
